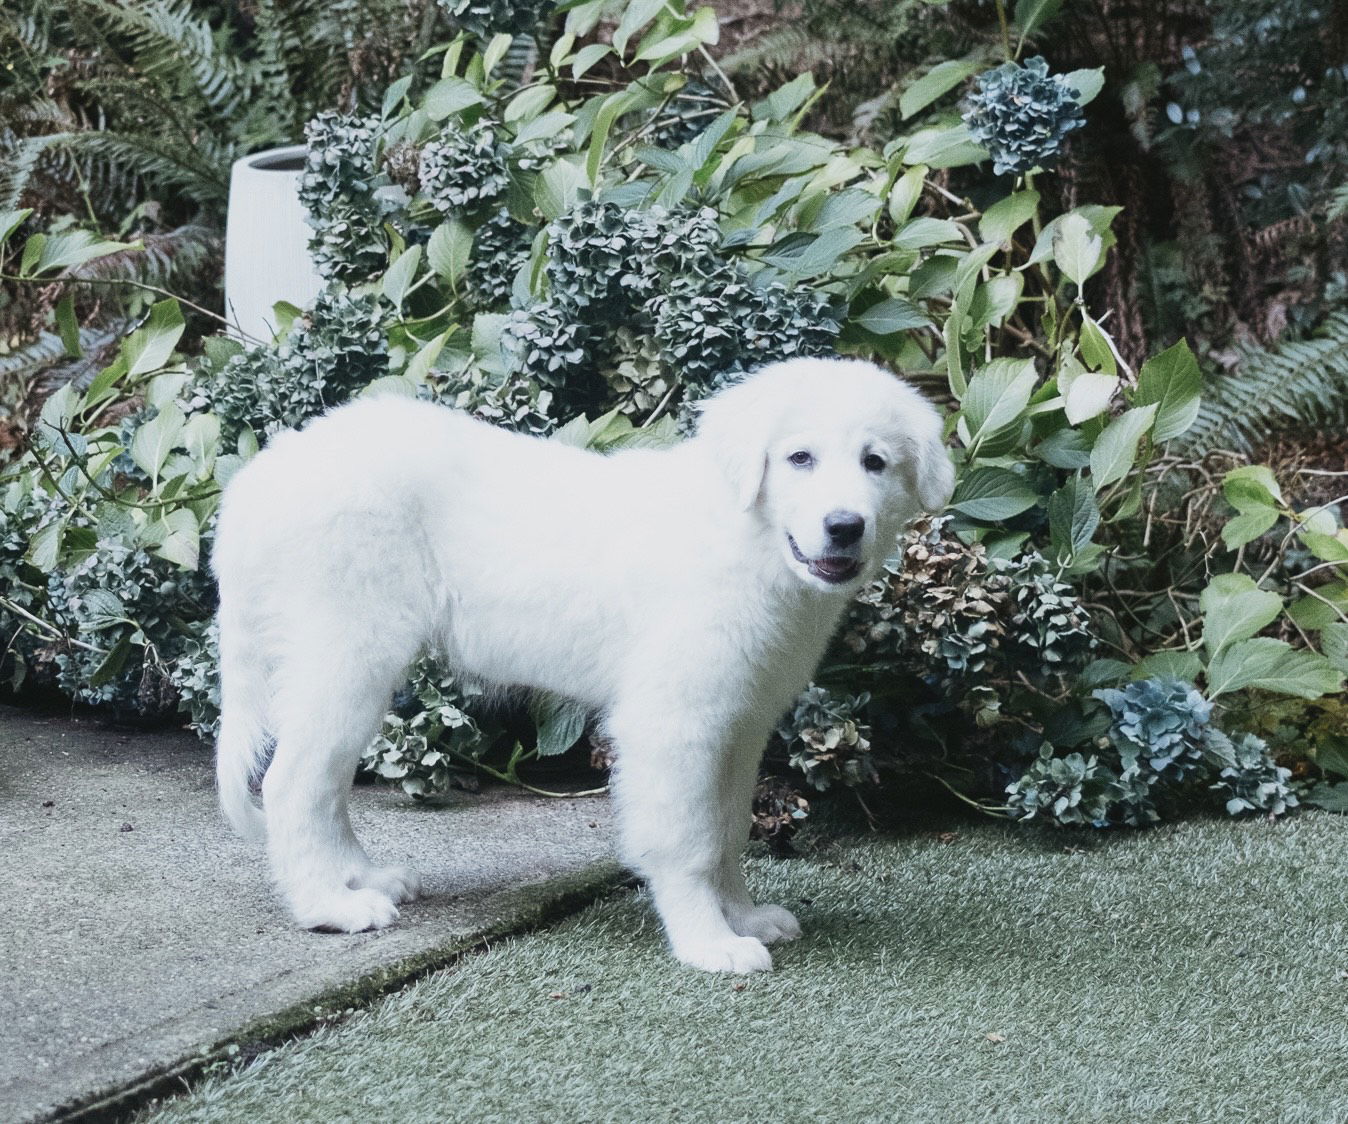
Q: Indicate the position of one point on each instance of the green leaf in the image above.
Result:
(994, 405)
(44, 548)
(449, 250)
(893, 315)
(1031, 15)
(1328, 605)
(1086, 394)
(560, 724)
(810, 256)
(612, 108)
(101, 608)
(947, 147)
(1248, 526)
(148, 348)
(1087, 83)
(587, 56)
(201, 439)
(69, 248)
(1097, 216)
(1252, 486)
(112, 664)
(544, 128)
(558, 186)
(993, 494)
(400, 274)
(10, 220)
(1272, 665)
(1168, 665)
(449, 96)
(1330, 797)
(421, 363)
(905, 193)
(636, 15)
(1073, 517)
(155, 439)
(1115, 450)
(1008, 215)
(1172, 381)
(1234, 609)
(940, 79)
(1077, 250)
(1096, 346)
(68, 327)
(921, 232)
(176, 538)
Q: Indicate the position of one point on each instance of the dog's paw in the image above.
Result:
(401, 883)
(347, 911)
(726, 954)
(767, 923)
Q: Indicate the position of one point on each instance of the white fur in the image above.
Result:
(657, 587)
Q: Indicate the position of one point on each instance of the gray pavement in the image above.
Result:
(140, 941)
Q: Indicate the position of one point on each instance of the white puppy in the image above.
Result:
(686, 594)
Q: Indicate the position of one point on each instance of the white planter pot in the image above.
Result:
(266, 242)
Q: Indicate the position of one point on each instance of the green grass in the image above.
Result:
(1189, 973)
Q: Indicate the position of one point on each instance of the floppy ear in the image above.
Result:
(933, 472)
(735, 425)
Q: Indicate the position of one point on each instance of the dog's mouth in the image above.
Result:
(834, 569)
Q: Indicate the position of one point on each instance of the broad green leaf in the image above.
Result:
(921, 232)
(1272, 665)
(558, 186)
(785, 100)
(449, 96)
(1072, 518)
(449, 250)
(176, 538)
(201, 439)
(60, 407)
(1252, 486)
(1328, 604)
(1097, 216)
(68, 327)
(1172, 381)
(1115, 449)
(1327, 548)
(1031, 15)
(814, 255)
(1076, 248)
(893, 315)
(947, 147)
(69, 248)
(940, 79)
(1169, 665)
(421, 363)
(100, 609)
(1234, 609)
(636, 15)
(1008, 215)
(155, 439)
(496, 51)
(905, 193)
(1086, 394)
(994, 405)
(1334, 642)
(1248, 526)
(1096, 347)
(1087, 83)
(44, 547)
(544, 128)
(148, 348)
(559, 722)
(586, 58)
(113, 663)
(993, 494)
(401, 273)
(612, 108)
(528, 103)
(10, 220)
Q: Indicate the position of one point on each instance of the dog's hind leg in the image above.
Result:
(331, 701)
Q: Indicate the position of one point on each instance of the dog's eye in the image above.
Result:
(801, 459)
(871, 463)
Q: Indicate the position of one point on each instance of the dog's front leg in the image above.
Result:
(768, 923)
(672, 831)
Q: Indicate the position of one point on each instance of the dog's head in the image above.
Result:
(832, 457)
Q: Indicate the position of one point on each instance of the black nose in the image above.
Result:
(844, 527)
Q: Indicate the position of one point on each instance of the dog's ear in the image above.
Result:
(932, 471)
(734, 425)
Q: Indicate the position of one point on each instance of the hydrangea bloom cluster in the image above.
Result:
(621, 277)
(1022, 114)
(338, 347)
(428, 725)
(339, 191)
(465, 171)
(1159, 722)
(1073, 789)
(827, 738)
(485, 18)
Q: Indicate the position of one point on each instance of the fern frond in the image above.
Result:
(788, 47)
(1338, 202)
(1296, 383)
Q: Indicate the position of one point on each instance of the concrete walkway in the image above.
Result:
(140, 941)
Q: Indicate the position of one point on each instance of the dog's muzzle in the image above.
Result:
(832, 568)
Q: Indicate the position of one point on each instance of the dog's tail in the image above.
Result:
(242, 743)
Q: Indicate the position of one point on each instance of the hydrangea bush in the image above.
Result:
(586, 266)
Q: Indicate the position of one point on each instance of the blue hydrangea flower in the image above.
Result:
(1160, 719)
(1021, 114)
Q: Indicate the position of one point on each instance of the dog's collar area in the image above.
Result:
(834, 569)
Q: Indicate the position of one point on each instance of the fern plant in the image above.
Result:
(1294, 384)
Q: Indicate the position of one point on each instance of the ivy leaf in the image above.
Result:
(1115, 450)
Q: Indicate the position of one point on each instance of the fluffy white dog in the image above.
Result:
(686, 594)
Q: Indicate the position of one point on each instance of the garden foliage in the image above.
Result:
(557, 257)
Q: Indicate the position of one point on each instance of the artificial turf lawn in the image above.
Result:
(1189, 973)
